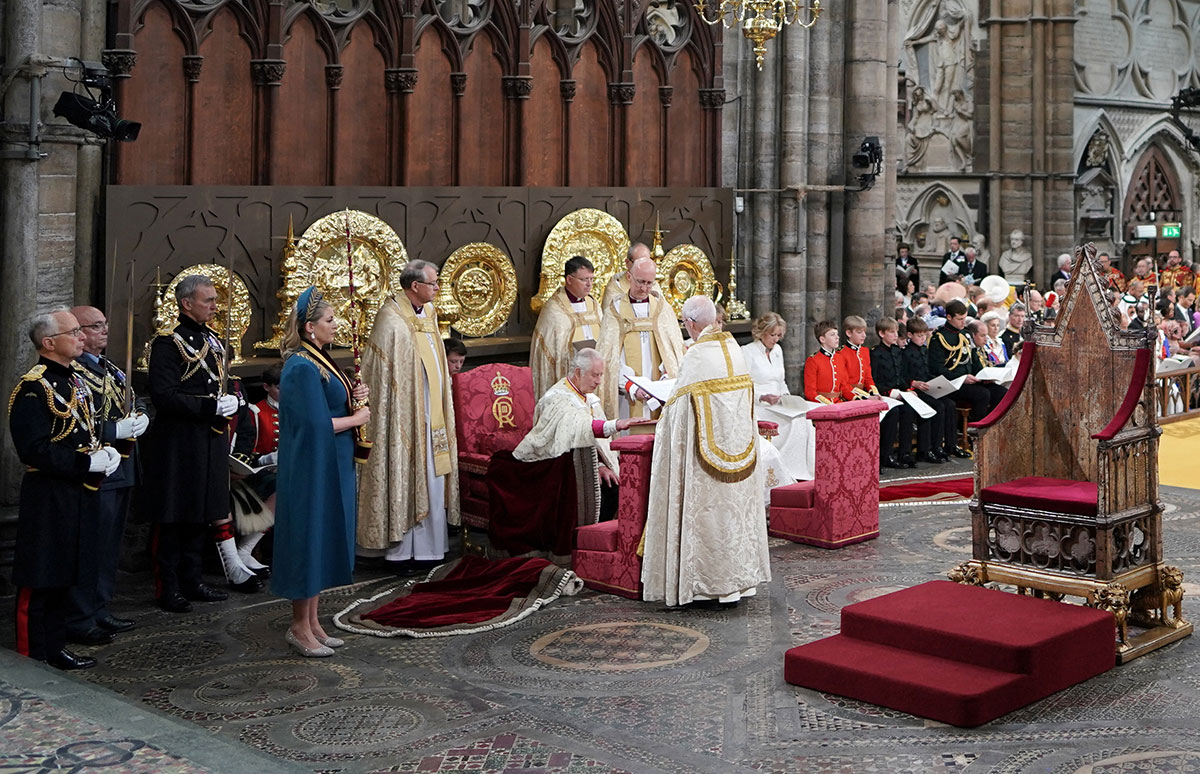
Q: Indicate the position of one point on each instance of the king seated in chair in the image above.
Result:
(566, 460)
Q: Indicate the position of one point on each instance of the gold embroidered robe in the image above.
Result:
(559, 325)
(393, 494)
(706, 533)
(618, 323)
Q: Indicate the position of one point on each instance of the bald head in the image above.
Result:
(641, 279)
(636, 250)
(95, 328)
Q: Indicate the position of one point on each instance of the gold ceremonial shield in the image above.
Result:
(685, 271)
(482, 281)
(219, 276)
(595, 235)
(378, 257)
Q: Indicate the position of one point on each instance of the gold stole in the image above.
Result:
(579, 319)
(632, 329)
(431, 362)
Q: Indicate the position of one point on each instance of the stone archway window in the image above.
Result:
(1154, 188)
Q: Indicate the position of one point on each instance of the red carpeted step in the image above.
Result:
(991, 628)
(937, 688)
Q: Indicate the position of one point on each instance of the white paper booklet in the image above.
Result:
(923, 409)
(940, 386)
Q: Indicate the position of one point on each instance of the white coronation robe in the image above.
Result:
(705, 535)
(562, 421)
(797, 439)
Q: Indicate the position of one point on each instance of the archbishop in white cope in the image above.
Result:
(705, 536)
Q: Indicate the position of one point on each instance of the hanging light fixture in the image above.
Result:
(760, 20)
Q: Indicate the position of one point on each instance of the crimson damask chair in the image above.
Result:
(493, 411)
(840, 505)
(1066, 471)
(605, 555)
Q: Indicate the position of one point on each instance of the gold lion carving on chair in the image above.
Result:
(1160, 605)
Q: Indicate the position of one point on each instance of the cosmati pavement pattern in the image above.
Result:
(596, 683)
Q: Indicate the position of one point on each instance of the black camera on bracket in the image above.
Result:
(870, 154)
(96, 112)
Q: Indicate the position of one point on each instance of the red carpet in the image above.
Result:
(962, 655)
(943, 489)
(467, 595)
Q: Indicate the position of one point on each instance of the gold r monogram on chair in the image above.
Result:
(502, 406)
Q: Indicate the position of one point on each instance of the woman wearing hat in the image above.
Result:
(315, 500)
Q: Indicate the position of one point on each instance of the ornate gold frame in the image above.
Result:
(219, 276)
(482, 281)
(685, 271)
(320, 259)
(592, 233)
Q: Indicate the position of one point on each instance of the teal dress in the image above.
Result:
(315, 496)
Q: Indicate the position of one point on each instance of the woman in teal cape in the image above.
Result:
(315, 495)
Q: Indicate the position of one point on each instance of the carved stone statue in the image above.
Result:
(939, 63)
(938, 239)
(920, 127)
(959, 129)
(979, 242)
(1016, 262)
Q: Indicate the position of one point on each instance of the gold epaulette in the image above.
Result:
(34, 374)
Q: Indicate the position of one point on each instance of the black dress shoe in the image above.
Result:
(932, 458)
(248, 586)
(405, 569)
(907, 461)
(174, 603)
(110, 623)
(66, 661)
(203, 593)
(92, 636)
(960, 452)
(889, 461)
(941, 455)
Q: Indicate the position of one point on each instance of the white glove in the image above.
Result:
(114, 460)
(269, 459)
(132, 426)
(140, 423)
(98, 461)
(227, 405)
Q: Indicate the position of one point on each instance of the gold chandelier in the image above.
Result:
(769, 17)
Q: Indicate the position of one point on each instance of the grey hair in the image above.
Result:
(586, 359)
(630, 256)
(188, 286)
(1064, 259)
(969, 251)
(414, 271)
(43, 325)
(700, 310)
(993, 315)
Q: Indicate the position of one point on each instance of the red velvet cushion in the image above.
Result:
(800, 495)
(1049, 494)
(597, 537)
(498, 440)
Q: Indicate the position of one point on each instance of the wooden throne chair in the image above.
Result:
(493, 411)
(1066, 472)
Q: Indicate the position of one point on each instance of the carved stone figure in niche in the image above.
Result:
(1095, 198)
(959, 129)
(938, 238)
(1016, 262)
(939, 51)
(979, 242)
(665, 22)
(920, 126)
(1097, 149)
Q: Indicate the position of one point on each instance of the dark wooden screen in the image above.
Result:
(432, 93)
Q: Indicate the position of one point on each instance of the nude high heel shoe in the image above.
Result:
(294, 644)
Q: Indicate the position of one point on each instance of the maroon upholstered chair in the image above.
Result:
(1066, 470)
(841, 505)
(605, 555)
(493, 411)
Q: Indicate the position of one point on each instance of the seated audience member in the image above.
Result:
(821, 381)
(1037, 306)
(979, 360)
(1011, 337)
(951, 355)
(936, 436)
(1064, 270)
(887, 367)
(1184, 301)
(796, 440)
(997, 353)
(974, 294)
(456, 355)
(853, 361)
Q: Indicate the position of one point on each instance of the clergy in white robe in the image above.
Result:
(408, 489)
(569, 319)
(797, 439)
(618, 284)
(706, 535)
(639, 331)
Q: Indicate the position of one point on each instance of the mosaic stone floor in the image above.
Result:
(596, 683)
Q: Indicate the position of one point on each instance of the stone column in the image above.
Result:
(19, 219)
(825, 166)
(793, 215)
(869, 112)
(89, 174)
(762, 134)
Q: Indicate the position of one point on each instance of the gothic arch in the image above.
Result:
(1153, 187)
(934, 202)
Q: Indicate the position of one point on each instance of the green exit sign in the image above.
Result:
(1170, 230)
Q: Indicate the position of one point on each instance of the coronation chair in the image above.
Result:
(1066, 472)
(493, 411)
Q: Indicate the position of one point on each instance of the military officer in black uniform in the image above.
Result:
(186, 462)
(950, 355)
(53, 425)
(89, 621)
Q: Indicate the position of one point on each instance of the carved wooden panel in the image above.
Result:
(169, 228)
(391, 92)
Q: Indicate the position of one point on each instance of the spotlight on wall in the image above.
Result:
(96, 112)
(870, 158)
